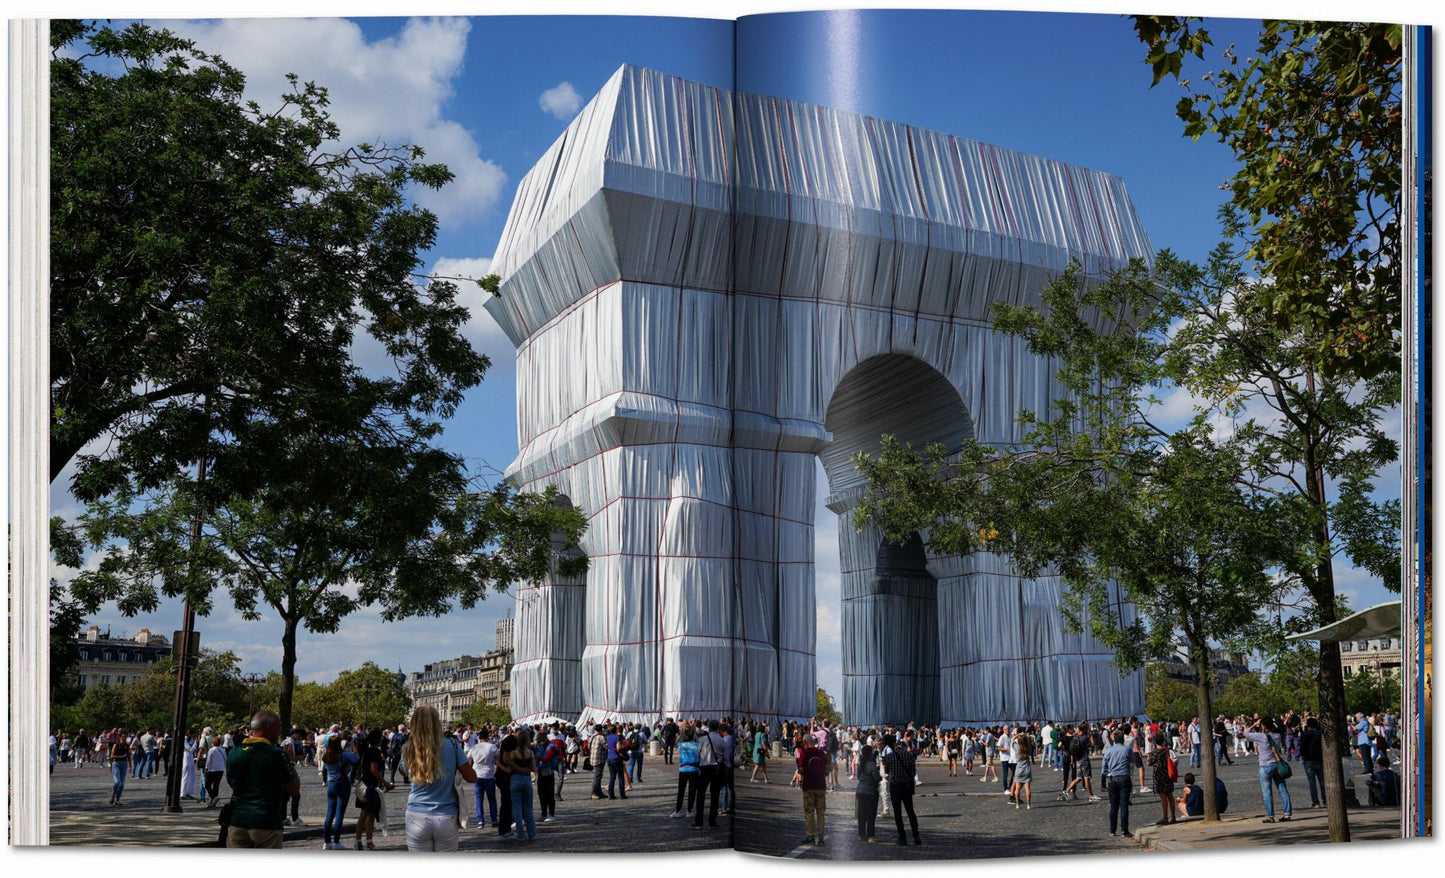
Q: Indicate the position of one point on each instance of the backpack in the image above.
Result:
(815, 770)
(1079, 749)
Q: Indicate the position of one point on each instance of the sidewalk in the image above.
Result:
(1248, 830)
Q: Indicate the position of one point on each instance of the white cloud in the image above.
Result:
(391, 90)
(561, 101)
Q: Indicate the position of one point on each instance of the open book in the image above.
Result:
(756, 256)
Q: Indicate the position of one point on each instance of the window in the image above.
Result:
(85, 655)
(82, 679)
(119, 680)
(105, 679)
(1347, 670)
(125, 656)
(105, 656)
(1346, 647)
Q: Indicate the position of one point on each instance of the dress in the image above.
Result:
(1159, 759)
(188, 770)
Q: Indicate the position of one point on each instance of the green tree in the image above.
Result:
(1312, 114)
(217, 693)
(1246, 695)
(1369, 692)
(1166, 697)
(479, 714)
(102, 707)
(1301, 450)
(1293, 679)
(826, 711)
(371, 696)
(66, 618)
(213, 263)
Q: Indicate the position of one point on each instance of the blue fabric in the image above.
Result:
(487, 787)
(1268, 783)
(439, 796)
(338, 793)
(687, 758)
(117, 774)
(522, 805)
(342, 768)
(1115, 762)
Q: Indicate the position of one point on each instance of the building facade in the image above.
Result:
(1224, 664)
(117, 661)
(453, 685)
(1378, 656)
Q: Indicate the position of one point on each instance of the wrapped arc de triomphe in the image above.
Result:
(710, 290)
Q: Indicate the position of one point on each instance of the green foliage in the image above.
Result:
(1246, 695)
(66, 618)
(370, 695)
(1367, 692)
(1165, 697)
(826, 711)
(213, 263)
(479, 714)
(216, 264)
(1312, 114)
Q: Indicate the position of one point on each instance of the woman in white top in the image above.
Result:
(215, 770)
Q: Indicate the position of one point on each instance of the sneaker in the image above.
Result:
(548, 820)
(1145, 790)
(675, 814)
(1095, 799)
(298, 822)
(819, 843)
(808, 839)
(286, 821)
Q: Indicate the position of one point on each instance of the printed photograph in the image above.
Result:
(856, 435)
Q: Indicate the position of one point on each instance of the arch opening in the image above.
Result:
(890, 619)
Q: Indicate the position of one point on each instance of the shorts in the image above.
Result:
(993, 760)
(1083, 769)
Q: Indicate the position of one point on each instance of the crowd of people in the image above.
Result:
(507, 779)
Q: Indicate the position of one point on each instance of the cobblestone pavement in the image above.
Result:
(80, 816)
(961, 818)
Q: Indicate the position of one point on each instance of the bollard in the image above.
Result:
(777, 749)
(654, 747)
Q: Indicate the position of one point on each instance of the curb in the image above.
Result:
(1150, 839)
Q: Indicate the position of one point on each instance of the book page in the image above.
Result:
(922, 197)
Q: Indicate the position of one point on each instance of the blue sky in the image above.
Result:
(489, 95)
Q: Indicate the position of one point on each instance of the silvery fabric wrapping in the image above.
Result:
(707, 291)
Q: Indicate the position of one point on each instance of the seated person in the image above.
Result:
(1191, 798)
(1384, 785)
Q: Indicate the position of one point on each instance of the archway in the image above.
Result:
(890, 618)
(549, 638)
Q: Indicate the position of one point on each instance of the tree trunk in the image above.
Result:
(1332, 678)
(288, 674)
(1204, 703)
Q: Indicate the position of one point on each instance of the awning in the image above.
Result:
(1381, 620)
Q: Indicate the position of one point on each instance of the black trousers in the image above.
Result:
(546, 794)
(1119, 787)
(598, 766)
(866, 805)
(710, 781)
(686, 789)
(504, 792)
(901, 795)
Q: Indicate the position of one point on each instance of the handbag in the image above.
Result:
(1282, 771)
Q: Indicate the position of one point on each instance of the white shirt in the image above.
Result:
(484, 759)
(216, 759)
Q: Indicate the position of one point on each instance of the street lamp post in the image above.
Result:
(252, 680)
(184, 660)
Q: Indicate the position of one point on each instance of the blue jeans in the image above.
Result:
(338, 793)
(1267, 784)
(487, 786)
(1119, 787)
(1315, 774)
(117, 774)
(634, 765)
(616, 770)
(1196, 756)
(522, 805)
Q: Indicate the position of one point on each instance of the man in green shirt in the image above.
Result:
(261, 779)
